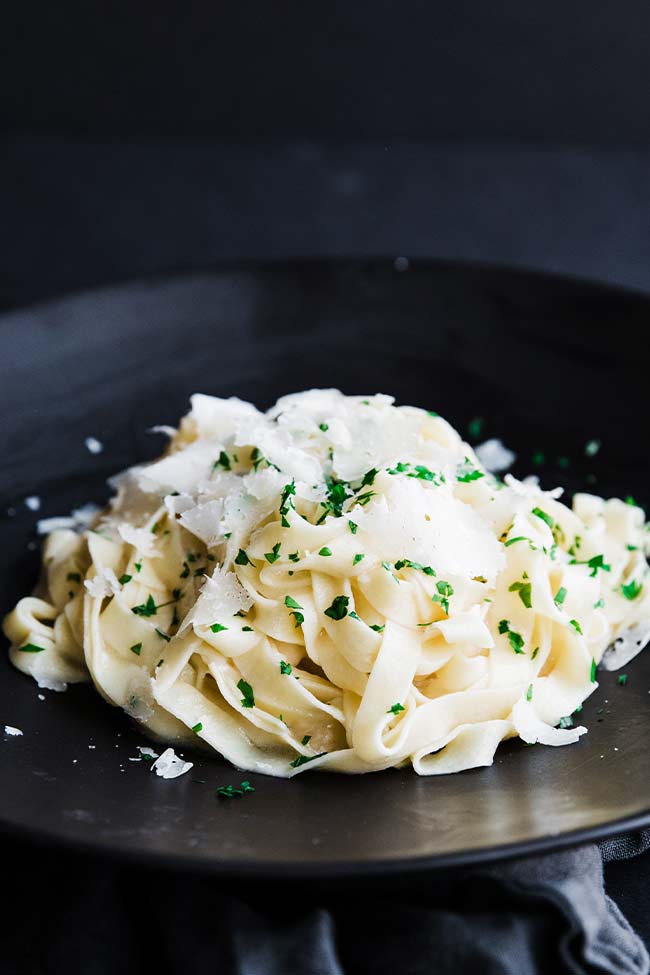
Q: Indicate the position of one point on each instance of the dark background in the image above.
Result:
(148, 136)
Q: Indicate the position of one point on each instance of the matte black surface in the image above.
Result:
(548, 364)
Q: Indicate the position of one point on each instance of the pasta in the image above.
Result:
(336, 583)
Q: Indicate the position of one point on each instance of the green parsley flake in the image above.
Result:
(592, 674)
(529, 693)
(136, 649)
(223, 462)
(534, 653)
(248, 698)
(544, 516)
(339, 608)
(395, 708)
(632, 590)
(163, 635)
(407, 564)
(325, 551)
(274, 554)
(445, 590)
(246, 786)
(576, 626)
(399, 468)
(138, 566)
(303, 759)
(218, 627)
(146, 609)
(622, 679)
(520, 538)
(358, 558)
(197, 727)
(242, 558)
(566, 722)
(305, 740)
(354, 616)
(376, 627)
(323, 426)
(31, 648)
(369, 477)
(247, 629)
(559, 596)
(291, 603)
(353, 527)
(124, 579)
(515, 639)
(467, 473)
(294, 556)
(228, 792)
(285, 668)
(524, 590)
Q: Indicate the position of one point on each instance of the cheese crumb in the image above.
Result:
(13, 732)
(93, 445)
(170, 766)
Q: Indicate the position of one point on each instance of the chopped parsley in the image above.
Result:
(285, 668)
(353, 527)
(524, 591)
(399, 468)
(146, 609)
(632, 589)
(369, 477)
(595, 563)
(520, 538)
(325, 551)
(363, 499)
(445, 590)
(592, 673)
(544, 516)
(566, 722)
(247, 629)
(242, 558)
(534, 653)
(303, 759)
(358, 558)
(323, 426)
(339, 608)
(248, 698)
(424, 474)
(396, 708)
(291, 604)
(466, 472)
(163, 635)
(31, 648)
(376, 627)
(305, 740)
(559, 596)
(407, 564)
(529, 693)
(515, 639)
(294, 556)
(218, 627)
(288, 492)
(124, 579)
(136, 649)
(223, 461)
(229, 792)
(337, 495)
(274, 554)
(246, 786)
(622, 679)
(576, 626)
(197, 727)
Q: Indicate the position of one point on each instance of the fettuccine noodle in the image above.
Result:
(336, 583)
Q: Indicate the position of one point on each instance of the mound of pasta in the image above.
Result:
(337, 583)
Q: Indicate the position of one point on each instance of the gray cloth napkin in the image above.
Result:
(547, 914)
